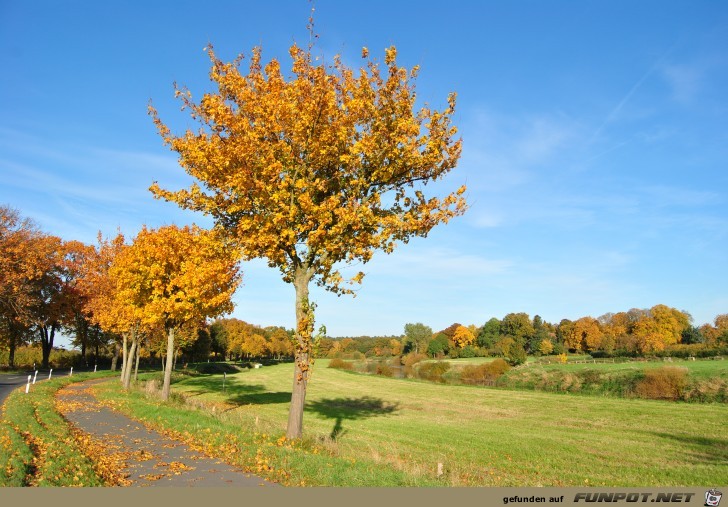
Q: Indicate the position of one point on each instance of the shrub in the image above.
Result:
(467, 351)
(433, 371)
(340, 364)
(409, 361)
(486, 373)
(710, 390)
(516, 355)
(385, 370)
(666, 383)
(412, 358)
(692, 350)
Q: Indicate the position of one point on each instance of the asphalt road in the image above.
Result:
(10, 381)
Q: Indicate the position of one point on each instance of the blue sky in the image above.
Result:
(595, 144)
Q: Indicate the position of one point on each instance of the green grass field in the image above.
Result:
(699, 369)
(377, 431)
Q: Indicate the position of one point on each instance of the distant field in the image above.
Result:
(482, 436)
(703, 368)
(699, 369)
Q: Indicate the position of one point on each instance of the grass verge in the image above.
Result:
(37, 442)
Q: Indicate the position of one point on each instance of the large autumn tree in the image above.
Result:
(314, 170)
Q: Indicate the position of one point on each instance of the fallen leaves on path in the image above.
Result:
(109, 459)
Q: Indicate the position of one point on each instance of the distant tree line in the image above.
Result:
(637, 332)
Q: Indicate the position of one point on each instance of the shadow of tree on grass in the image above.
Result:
(237, 394)
(350, 409)
(702, 450)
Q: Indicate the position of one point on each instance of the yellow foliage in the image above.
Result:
(174, 275)
(318, 169)
(462, 337)
(584, 335)
(545, 347)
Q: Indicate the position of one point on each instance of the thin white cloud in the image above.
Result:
(613, 115)
(502, 152)
(685, 81)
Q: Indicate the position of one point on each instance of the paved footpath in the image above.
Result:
(144, 457)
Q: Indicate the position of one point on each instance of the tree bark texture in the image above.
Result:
(136, 366)
(124, 359)
(301, 355)
(115, 359)
(126, 370)
(168, 365)
(46, 343)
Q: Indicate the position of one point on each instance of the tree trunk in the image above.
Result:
(13, 342)
(301, 356)
(97, 331)
(46, 343)
(124, 361)
(114, 359)
(168, 366)
(136, 366)
(126, 370)
(11, 352)
(82, 334)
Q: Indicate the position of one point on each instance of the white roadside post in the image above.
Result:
(94, 368)
(27, 387)
(50, 373)
(71, 374)
(35, 376)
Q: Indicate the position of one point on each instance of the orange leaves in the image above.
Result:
(34, 272)
(172, 275)
(585, 335)
(318, 168)
(463, 337)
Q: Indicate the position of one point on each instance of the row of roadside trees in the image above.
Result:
(160, 287)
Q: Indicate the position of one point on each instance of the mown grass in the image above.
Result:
(15, 457)
(375, 431)
(38, 448)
